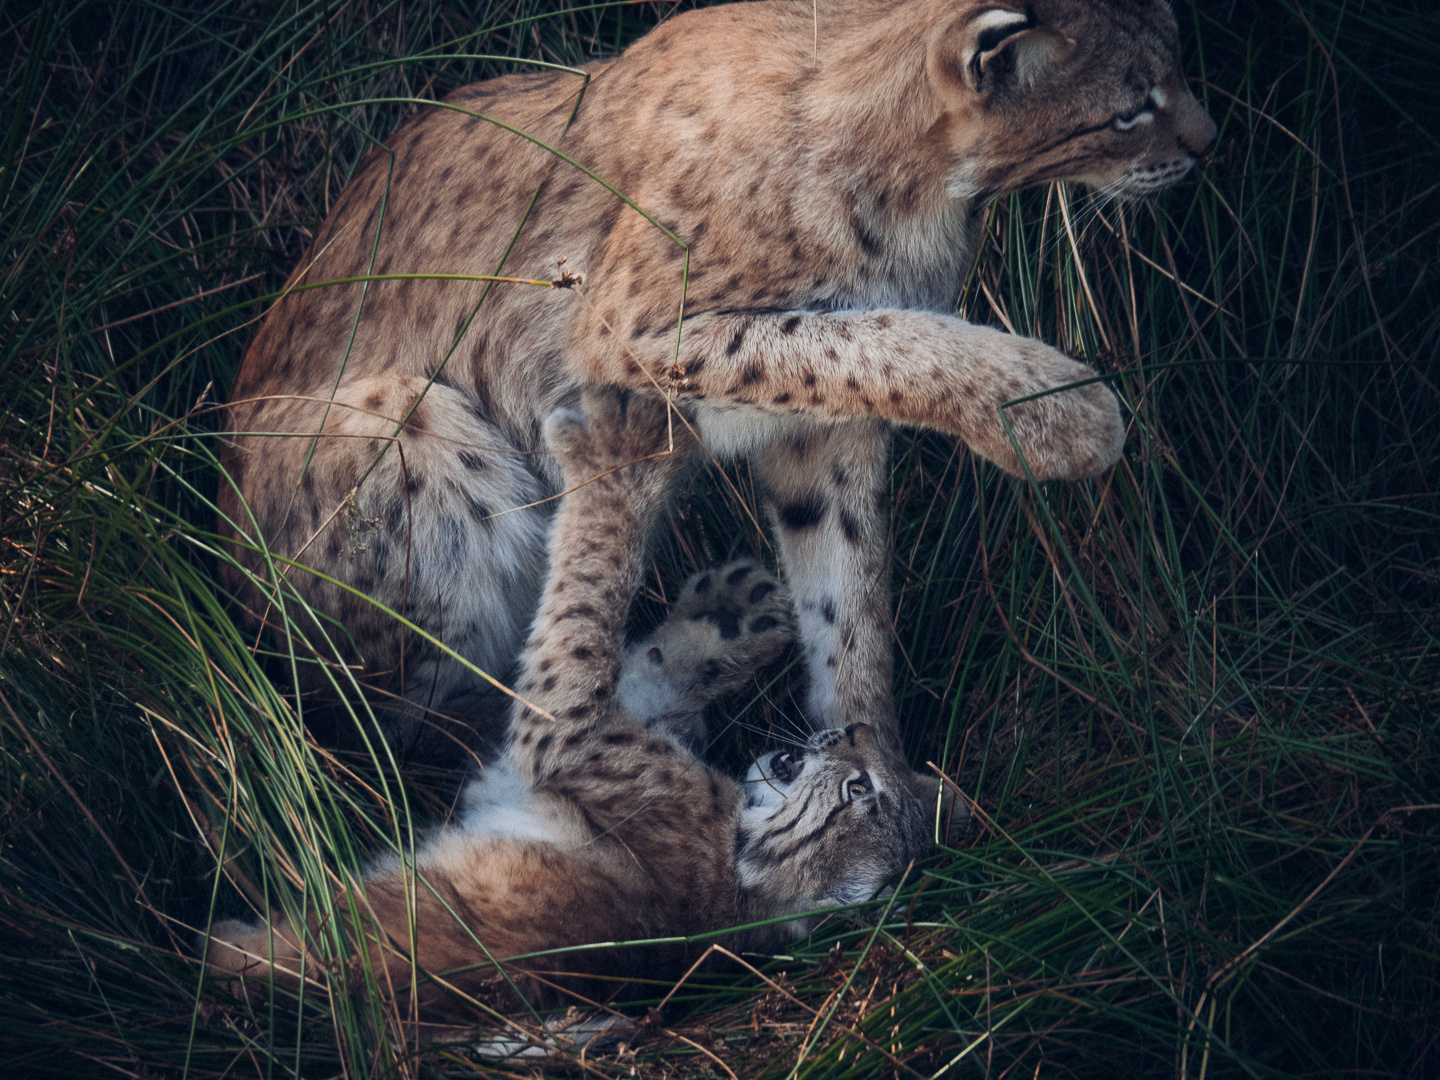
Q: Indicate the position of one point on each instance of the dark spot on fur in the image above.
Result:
(850, 527)
(868, 243)
(394, 514)
(827, 610)
(478, 510)
(761, 590)
(763, 623)
(752, 373)
(780, 399)
(803, 514)
(543, 743)
(789, 326)
(655, 656)
(548, 684)
(735, 343)
(702, 586)
(473, 462)
(582, 653)
(737, 575)
(546, 664)
(619, 738)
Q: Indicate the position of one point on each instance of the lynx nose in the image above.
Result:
(1194, 127)
(860, 732)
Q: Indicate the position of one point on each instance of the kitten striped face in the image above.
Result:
(828, 825)
(1084, 90)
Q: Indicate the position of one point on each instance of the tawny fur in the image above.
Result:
(613, 832)
(822, 171)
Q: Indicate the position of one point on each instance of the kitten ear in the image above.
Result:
(946, 806)
(995, 45)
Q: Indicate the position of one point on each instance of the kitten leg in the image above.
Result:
(827, 498)
(617, 475)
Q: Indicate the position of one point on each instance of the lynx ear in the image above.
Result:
(996, 45)
(946, 807)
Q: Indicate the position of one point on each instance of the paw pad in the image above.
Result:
(725, 625)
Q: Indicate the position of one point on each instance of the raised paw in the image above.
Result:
(614, 429)
(1062, 434)
(726, 624)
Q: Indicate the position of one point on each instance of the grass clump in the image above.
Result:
(1194, 699)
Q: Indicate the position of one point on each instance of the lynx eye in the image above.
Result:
(1125, 123)
(859, 786)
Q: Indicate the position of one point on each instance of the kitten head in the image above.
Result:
(828, 825)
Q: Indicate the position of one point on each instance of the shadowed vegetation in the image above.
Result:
(1194, 700)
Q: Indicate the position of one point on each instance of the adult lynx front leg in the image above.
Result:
(914, 367)
(827, 504)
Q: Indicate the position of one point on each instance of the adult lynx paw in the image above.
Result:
(726, 624)
(616, 429)
(1064, 435)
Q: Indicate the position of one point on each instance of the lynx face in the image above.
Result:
(831, 823)
(1068, 90)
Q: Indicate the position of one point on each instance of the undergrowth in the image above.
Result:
(1193, 700)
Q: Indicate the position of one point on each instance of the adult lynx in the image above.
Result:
(819, 177)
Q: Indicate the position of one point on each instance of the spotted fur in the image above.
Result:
(598, 827)
(822, 172)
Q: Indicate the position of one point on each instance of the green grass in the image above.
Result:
(1195, 699)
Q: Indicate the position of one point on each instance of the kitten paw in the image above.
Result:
(727, 623)
(617, 428)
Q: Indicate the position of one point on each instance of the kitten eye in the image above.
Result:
(782, 767)
(860, 786)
